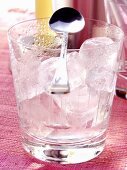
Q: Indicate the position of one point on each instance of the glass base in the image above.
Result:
(64, 154)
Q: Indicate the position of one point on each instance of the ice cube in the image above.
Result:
(25, 78)
(41, 114)
(99, 78)
(46, 72)
(76, 70)
(79, 105)
(99, 51)
(34, 77)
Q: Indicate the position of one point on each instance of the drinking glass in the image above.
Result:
(64, 128)
(117, 15)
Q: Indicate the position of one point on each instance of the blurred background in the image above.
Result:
(14, 11)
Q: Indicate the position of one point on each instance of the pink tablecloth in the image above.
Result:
(12, 155)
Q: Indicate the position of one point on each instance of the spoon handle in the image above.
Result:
(60, 82)
(64, 46)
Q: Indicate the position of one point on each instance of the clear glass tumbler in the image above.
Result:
(64, 128)
(117, 14)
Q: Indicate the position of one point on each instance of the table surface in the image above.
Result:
(12, 155)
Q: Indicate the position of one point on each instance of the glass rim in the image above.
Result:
(121, 33)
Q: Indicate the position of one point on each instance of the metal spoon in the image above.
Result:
(65, 20)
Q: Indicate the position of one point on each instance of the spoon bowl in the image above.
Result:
(67, 20)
